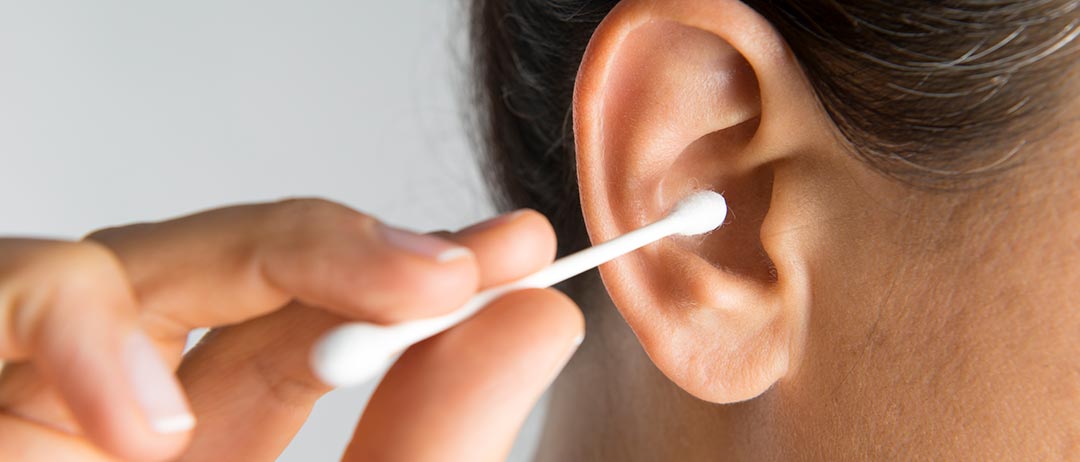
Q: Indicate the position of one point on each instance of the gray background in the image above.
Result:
(120, 111)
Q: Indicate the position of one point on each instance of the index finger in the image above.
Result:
(232, 264)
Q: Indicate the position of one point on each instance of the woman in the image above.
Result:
(897, 281)
(899, 278)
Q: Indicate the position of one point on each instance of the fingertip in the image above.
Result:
(550, 312)
(510, 246)
(468, 390)
(423, 246)
(402, 287)
(524, 225)
(155, 387)
(441, 289)
(79, 322)
(540, 232)
(133, 437)
(125, 409)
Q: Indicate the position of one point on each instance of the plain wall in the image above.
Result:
(121, 111)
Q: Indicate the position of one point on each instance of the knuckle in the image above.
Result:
(115, 234)
(104, 234)
(55, 278)
(75, 270)
(316, 216)
(316, 209)
(78, 259)
(304, 207)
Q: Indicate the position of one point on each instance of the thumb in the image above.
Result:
(464, 394)
(72, 317)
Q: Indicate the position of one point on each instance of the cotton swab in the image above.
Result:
(353, 353)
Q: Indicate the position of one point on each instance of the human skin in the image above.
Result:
(271, 278)
(888, 322)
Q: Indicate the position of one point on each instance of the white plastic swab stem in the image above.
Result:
(355, 352)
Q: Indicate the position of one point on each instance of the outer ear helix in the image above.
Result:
(651, 118)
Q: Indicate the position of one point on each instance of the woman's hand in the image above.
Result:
(93, 331)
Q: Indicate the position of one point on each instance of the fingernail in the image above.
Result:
(156, 388)
(494, 222)
(425, 246)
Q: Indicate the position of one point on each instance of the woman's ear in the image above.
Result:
(682, 95)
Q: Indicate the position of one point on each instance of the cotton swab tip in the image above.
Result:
(700, 212)
(354, 352)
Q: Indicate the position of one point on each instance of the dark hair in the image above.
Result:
(929, 92)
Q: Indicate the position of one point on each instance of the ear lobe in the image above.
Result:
(674, 97)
